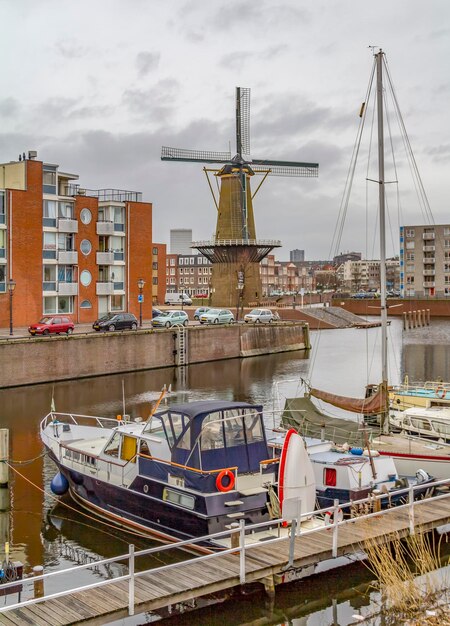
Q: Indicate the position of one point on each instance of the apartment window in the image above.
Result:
(181, 280)
(192, 260)
(2, 244)
(49, 181)
(410, 232)
(446, 267)
(172, 281)
(172, 261)
(49, 215)
(49, 251)
(116, 246)
(86, 216)
(172, 271)
(2, 279)
(85, 278)
(155, 280)
(65, 242)
(192, 270)
(2, 207)
(410, 256)
(65, 273)
(410, 245)
(181, 261)
(49, 278)
(192, 280)
(117, 303)
(86, 247)
(155, 251)
(155, 265)
(118, 277)
(410, 280)
(65, 210)
(446, 243)
(119, 219)
(86, 304)
(447, 280)
(58, 304)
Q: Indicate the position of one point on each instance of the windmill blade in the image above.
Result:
(285, 168)
(243, 122)
(198, 156)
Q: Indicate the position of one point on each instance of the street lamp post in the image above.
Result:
(11, 287)
(141, 283)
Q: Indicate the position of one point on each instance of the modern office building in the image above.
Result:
(425, 260)
(296, 255)
(70, 250)
(180, 241)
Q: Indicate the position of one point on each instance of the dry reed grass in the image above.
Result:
(405, 570)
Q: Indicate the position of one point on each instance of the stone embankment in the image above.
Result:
(38, 360)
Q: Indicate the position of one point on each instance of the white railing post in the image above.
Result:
(242, 551)
(131, 581)
(335, 528)
(411, 511)
(292, 542)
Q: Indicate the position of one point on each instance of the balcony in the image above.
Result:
(429, 248)
(427, 236)
(105, 289)
(105, 228)
(429, 272)
(68, 289)
(68, 257)
(105, 258)
(429, 285)
(67, 225)
(49, 285)
(429, 260)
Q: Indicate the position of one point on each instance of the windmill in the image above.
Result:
(235, 252)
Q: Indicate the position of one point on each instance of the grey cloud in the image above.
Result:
(155, 103)
(70, 49)
(147, 62)
(9, 107)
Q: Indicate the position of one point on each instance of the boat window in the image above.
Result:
(179, 498)
(143, 447)
(155, 428)
(329, 478)
(177, 424)
(112, 447)
(234, 430)
(212, 433)
(129, 449)
(185, 441)
(253, 428)
(441, 428)
(423, 424)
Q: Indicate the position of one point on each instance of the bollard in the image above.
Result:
(414, 319)
(409, 319)
(428, 317)
(419, 317)
(4, 457)
(404, 321)
(38, 570)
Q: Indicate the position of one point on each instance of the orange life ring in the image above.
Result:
(329, 517)
(226, 473)
(441, 392)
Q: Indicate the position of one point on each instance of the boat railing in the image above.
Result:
(55, 417)
(428, 385)
(240, 548)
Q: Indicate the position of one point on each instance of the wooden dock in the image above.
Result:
(263, 561)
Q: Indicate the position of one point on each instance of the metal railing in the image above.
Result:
(104, 195)
(237, 242)
(333, 514)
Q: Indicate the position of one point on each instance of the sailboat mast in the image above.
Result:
(382, 211)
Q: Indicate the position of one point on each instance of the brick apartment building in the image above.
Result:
(189, 273)
(71, 250)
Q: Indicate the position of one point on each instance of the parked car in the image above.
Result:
(156, 313)
(52, 324)
(361, 295)
(260, 316)
(217, 316)
(116, 321)
(199, 312)
(170, 318)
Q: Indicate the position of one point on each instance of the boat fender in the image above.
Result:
(422, 476)
(229, 478)
(371, 453)
(441, 392)
(329, 517)
(59, 484)
(356, 451)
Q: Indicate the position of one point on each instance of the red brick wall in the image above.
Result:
(89, 262)
(138, 255)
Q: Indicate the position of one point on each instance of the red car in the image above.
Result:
(52, 324)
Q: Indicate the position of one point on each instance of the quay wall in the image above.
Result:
(38, 360)
(396, 306)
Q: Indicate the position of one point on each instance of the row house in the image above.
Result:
(365, 274)
(190, 273)
(69, 250)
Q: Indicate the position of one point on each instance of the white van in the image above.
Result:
(177, 298)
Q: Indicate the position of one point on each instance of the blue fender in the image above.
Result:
(59, 484)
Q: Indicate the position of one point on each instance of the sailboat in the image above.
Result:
(410, 453)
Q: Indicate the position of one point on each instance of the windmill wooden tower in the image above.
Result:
(235, 252)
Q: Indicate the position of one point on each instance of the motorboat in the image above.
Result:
(197, 468)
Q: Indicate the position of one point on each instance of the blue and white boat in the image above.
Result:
(194, 469)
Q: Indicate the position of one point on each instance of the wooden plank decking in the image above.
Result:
(191, 580)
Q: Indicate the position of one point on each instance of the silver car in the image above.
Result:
(260, 316)
(167, 319)
(217, 316)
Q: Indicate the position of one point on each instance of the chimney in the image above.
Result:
(32, 154)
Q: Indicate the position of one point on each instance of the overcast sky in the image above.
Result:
(99, 86)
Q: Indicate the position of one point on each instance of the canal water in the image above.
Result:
(43, 532)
